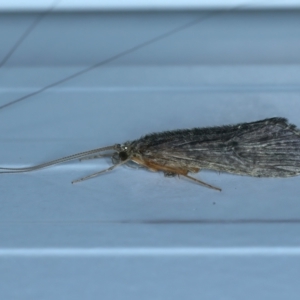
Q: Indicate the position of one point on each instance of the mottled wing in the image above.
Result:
(267, 148)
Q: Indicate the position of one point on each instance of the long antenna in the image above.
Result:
(121, 54)
(58, 161)
(26, 33)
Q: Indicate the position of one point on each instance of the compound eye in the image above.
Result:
(123, 155)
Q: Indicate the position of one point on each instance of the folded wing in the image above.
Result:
(267, 148)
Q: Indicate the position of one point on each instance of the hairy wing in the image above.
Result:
(268, 148)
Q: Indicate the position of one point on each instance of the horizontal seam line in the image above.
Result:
(151, 252)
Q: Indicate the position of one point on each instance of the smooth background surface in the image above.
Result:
(91, 5)
(133, 234)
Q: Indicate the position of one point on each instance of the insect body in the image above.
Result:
(266, 148)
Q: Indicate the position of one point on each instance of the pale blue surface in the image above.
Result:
(133, 234)
(67, 5)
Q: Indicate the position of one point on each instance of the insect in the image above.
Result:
(266, 148)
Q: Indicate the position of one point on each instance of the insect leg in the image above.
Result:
(202, 183)
(101, 172)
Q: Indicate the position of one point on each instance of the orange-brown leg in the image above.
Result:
(169, 170)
